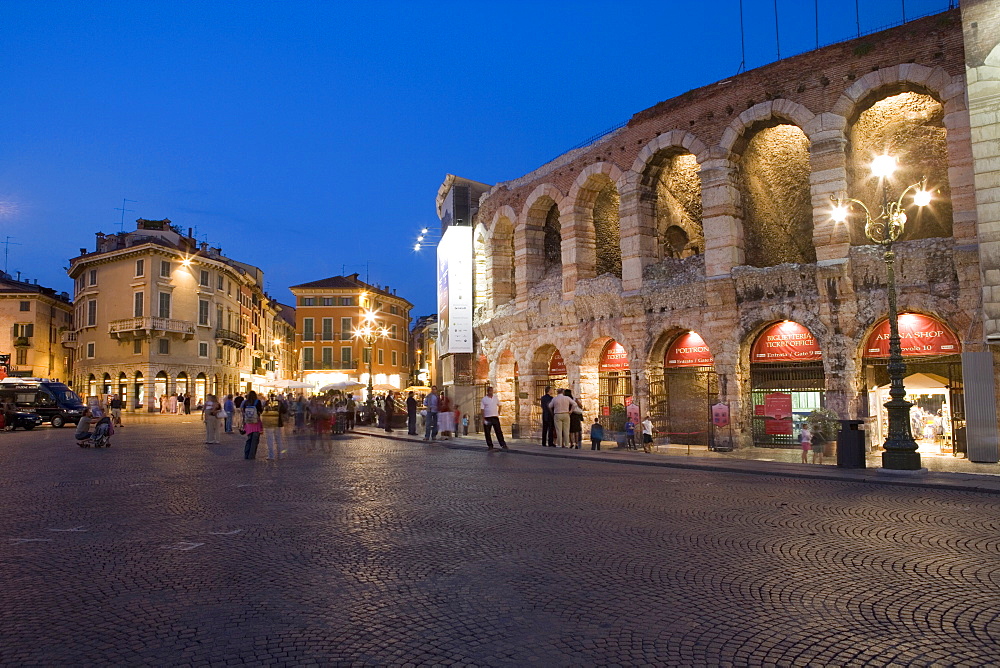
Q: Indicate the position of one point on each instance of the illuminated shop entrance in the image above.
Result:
(933, 383)
(615, 380)
(555, 379)
(682, 394)
(786, 383)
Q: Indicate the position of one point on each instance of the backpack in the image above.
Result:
(250, 414)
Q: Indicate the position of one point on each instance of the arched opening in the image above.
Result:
(552, 241)
(681, 395)
(106, 388)
(200, 390)
(910, 127)
(607, 232)
(502, 258)
(92, 386)
(773, 178)
(122, 390)
(933, 383)
(549, 370)
(217, 389)
(614, 386)
(160, 390)
(139, 391)
(672, 183)
(787, 383)
(182, 384)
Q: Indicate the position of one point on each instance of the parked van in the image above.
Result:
(54, 402)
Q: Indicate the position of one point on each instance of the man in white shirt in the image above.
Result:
(561, 407)
(491, 418)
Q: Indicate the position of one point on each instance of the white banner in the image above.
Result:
(455, 291)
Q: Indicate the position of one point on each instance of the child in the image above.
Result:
(630, 435)
(596, 435)
(465, 424)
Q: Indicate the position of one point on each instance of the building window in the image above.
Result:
(93, 277)
(347, 301)
(91, 350)
(327, 301)
(307, 330)
(92, 313)
(345, 357)
(307, 358)
(137, 346)
(164, 269)
(346, 328)
(79, 284)
(381, 356)
(137, 304)
(220, 282)
(21, 356)
(308, 301)
(163, 346)
(327, 358)
(366, 355)
(164, 304)
(204, 278)
(26, 330)
(25, 306)
(328, 329)
(218, 353)
(140, 267)
(229, 288)
(203, 314)
(395, 358)
(202, 349)
(393, 310)
(393, 332)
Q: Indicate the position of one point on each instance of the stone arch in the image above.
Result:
(669, 193)
(770, 153)
(538, 237)
(596, 221)
(501, 256)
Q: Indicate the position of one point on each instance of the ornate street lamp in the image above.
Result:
(368, 332)
(884, 229)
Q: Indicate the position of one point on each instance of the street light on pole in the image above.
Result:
(368, 332)
(884, 229)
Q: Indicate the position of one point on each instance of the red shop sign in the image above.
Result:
(777, 427)
(786, 342)
(688, 350)
(918, 335)
(557, 367)
(613, 358)
(778, 405)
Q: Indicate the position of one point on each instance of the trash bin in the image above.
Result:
(851, 444)
(515, 431)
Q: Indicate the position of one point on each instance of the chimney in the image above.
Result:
(83, 251)
(191, 232)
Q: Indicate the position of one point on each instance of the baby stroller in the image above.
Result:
(102, 434)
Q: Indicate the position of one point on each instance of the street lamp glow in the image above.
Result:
(883, 166)
(839, 213)
(423, 231)
(922, 197)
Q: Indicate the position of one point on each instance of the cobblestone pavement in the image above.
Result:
(366, 551)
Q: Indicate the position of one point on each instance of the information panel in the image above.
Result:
(454, 263)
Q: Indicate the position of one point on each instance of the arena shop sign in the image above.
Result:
(919, 335)
(614, 358)
(557, 366)
(786, 342)
(688, 350)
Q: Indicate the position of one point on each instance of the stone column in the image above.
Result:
(828, 177)
(720, 216)
(578, 248)
(638, 232)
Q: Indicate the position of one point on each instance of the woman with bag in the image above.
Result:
(209, 415)
(252, 410)
(805, 441)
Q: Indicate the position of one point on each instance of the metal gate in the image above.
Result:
(535, 417)
(477, 415)
(680, 401)
(615, 387)
(806, 383)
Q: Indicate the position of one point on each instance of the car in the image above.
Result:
(26, 420)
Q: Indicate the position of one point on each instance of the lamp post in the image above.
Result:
(884, 229)
(368, 332)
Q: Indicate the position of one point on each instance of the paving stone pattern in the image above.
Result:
(366, 551)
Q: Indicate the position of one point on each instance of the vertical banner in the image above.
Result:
(455, 291)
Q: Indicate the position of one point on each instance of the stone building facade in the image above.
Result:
(35, 321)
(157, 314)
(653, 267)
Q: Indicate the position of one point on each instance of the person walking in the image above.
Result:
(818, 444)
(187, 404)
(647, 434)
(805, 442)
(575, 423)
(491, 419)
(238, 412)
(116, 410)
(229, 408)
(431, 421)
(596, 435)
(548, 421)
(562, 406)
(252, 409)
(411, 414)
(390, 410)
(271, 422)
(209, 415)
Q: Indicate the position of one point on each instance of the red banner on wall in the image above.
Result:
(613, 358)
(720, 415)
(918, 334)
(777, 427)
(786, 342)
(778, 405)
(688, 350)
(557, 367)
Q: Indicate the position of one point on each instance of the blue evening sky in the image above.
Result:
(309, 138)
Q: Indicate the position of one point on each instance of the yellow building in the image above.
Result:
(33, 322)
(158, 314)
(329, 313)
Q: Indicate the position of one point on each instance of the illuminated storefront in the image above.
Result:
(681, 396)
(615, 382)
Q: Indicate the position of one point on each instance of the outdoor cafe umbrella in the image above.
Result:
(343, 386)
(419, 389)
(292, 384)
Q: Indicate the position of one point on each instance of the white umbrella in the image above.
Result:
(342, 385)
(292, 384)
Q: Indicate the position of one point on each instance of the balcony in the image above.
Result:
(69, 339)
(131, 328)
(230, 338)
(22, 342)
